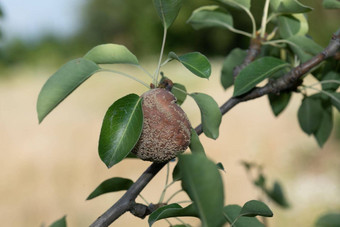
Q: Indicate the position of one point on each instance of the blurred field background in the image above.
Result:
(48, 170)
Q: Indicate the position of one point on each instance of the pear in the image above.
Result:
(166, 128)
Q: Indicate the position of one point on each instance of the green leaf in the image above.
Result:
(260, 181)
(111, 185)
(177, 90)
(234, 58)
(200, 177)
(111, 54)
(304, 47)
(310, 114)
(195, 143)
(293, 24)
(256, 208)
(324, 131)
(274, 4)
(176, 176)
(292, 6)
(167, 10)
(172, 210)
(211, 116)
(331, 75)
(248, 165)
(336, 100)
(59, 223)
(121, 129)
(232, 212)
(279, 102)
(331, 4)
(256, 72)
(131, 155)
(328, 220)
(238, 4)
(196, 62)
(210, 16)
(220, 166)
(62, 83)
(277, 195)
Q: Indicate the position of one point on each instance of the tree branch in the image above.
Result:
(287, 82)
(253, 51)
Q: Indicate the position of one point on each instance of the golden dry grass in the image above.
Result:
(48, 170)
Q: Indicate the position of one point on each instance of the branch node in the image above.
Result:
(141, 211)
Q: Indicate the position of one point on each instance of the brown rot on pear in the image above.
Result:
(166, 128)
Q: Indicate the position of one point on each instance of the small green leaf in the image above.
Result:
(336, 100)
(111, 185)
(238, 4)
(256, 72)
(293, 24)
(328, 220)
(195, 143)
(167, 10)
(210, 16)
(324, 131)
(111, 54)
(210, 114)
(248, 165)
(256, 208)
(293, 6)
(62, 83)
(121, 129)
(220, 166)
(260, 181)
(179, 92)
(304, 47)
(200, 177)
(176, 176)
(310, 114)
(331, 4)
(196, 62)
(277, 195)
(172, 210)
(331, 76)
(232, 212)
(234, 58)
(59, 223)
(279, 102)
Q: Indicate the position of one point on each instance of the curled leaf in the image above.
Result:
(196, 62)
(210, 114)
(111, 54)
(210, 16)
(255, 208)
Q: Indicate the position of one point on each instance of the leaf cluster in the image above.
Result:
(278, 50)
(281, 48)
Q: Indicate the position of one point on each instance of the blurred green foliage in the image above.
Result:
(136, 25)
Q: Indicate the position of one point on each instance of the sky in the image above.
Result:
(29, 19)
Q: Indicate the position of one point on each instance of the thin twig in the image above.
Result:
(252, 53)
(160, 58)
